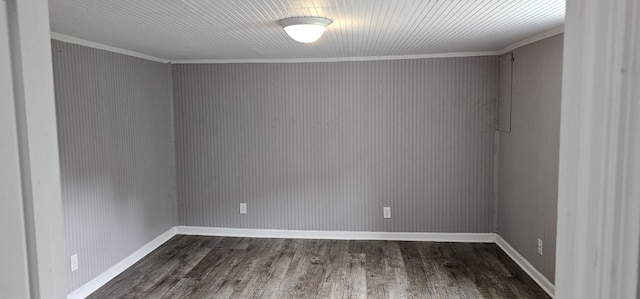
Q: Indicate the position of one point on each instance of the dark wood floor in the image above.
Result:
(218, 267)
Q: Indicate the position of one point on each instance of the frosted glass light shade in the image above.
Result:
(305, 29)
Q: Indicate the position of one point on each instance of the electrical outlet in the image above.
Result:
(539, 246)
(74, 262)
(386, 212)
(243, 208)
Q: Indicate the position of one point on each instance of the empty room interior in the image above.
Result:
(397, 149)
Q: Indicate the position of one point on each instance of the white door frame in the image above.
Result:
(599, 194)
(599, 172)
(13, 252)
(33, 200)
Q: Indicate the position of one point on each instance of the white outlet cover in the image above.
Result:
(539, 246)
(243, 208)
(74, 262)
(386, 212)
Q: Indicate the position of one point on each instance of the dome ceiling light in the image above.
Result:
(305, 29)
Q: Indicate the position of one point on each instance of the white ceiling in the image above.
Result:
(248, 29)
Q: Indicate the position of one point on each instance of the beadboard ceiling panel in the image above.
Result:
(248, 29)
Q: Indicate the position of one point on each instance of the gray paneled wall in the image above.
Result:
(504, 99)
(528, 171)
(324, 146)
(115, 143)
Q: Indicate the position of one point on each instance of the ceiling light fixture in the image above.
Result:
(305, 29)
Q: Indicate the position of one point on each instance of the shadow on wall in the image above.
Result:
(114, 134)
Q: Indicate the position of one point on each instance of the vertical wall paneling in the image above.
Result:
(324, 146)
(504, 99)
(496, 179)
(528, 167)
(115, 154)
(172, 160)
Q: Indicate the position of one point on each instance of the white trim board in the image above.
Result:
(335, 235)
(531, 40)
(527, 267)
(336, 59)
(94, 284)
(90, 44)
(598, 192)
(507, 49)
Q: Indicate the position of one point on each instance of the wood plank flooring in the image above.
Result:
(220, 267)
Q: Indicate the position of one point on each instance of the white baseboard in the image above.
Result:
(93, 285)
(540, 279)
(335, 235)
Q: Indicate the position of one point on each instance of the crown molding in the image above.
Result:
(507, 49)
(338, 59)
(531, 40)
(90, 44)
